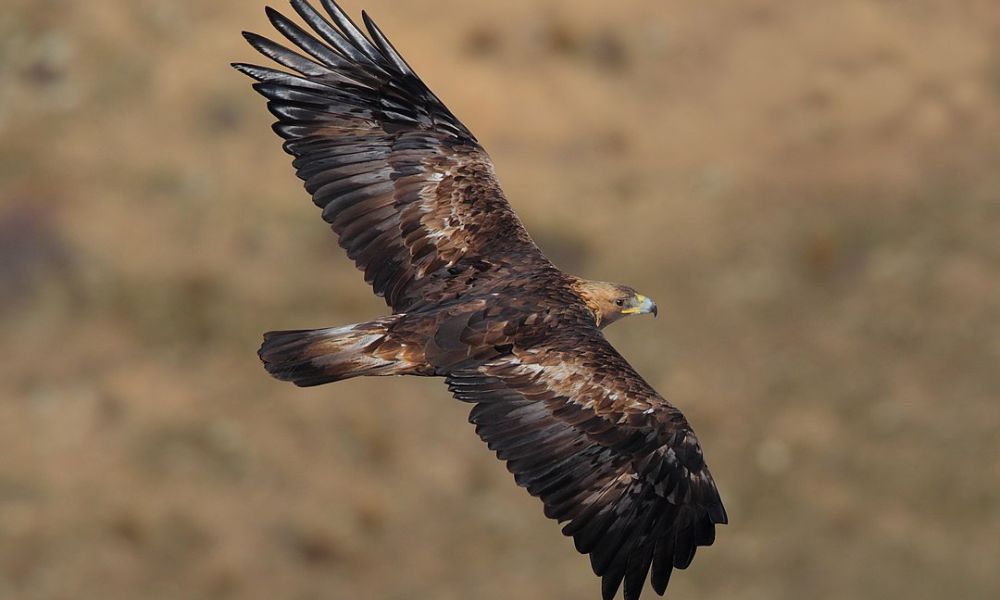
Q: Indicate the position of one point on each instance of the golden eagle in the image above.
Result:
(414, 200)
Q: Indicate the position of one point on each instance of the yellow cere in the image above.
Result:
(635, 309)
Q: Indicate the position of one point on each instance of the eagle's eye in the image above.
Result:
(620, 302)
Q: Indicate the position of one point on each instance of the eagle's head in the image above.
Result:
(611, 301)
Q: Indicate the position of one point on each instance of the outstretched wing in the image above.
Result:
(580, 429)
(412, 196)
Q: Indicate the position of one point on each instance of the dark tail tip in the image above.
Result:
(290, 356)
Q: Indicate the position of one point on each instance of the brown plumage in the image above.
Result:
(414, 201)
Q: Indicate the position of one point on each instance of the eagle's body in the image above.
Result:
(415, 202)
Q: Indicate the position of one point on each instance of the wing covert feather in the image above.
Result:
(403, 183)
(608, 456)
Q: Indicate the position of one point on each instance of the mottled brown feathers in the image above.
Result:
(413, 199)
(405, 186)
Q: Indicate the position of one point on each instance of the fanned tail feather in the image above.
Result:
(309, 357)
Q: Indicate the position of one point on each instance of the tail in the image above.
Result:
(316, 356)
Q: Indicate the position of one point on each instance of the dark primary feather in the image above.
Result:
(581, 430)
(414, 201)
(404, 184)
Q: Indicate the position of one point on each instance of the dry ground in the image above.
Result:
(809, 189)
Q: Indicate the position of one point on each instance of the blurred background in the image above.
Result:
(810, 190)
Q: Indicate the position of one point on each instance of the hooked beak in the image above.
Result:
(643, 305)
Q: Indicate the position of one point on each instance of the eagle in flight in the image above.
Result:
(414, 200)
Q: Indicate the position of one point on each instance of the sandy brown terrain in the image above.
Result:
(810, 190)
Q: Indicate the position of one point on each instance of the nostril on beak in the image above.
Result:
(647, 306)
